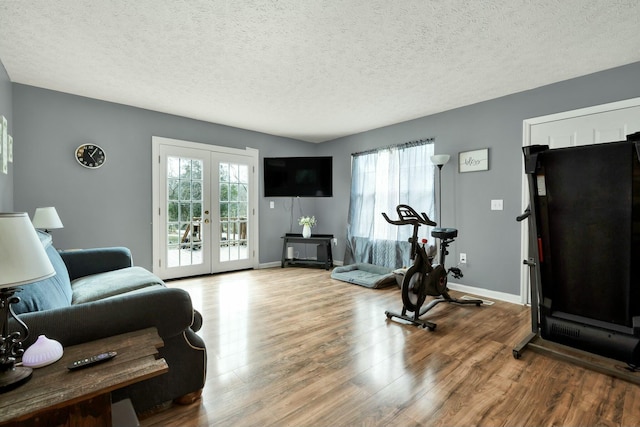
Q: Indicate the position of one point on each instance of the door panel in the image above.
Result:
(184, 212)
(587, 129)
(593, 125)
(234, 212)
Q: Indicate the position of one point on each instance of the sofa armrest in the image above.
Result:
(83, 262)
(168, 309)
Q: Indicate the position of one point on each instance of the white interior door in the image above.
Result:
(593, 125)
(204, 208)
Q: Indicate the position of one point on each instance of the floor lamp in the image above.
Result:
(440, 160)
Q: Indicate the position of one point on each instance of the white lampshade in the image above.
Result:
(47, 219)
(440, 159)
(22, 257)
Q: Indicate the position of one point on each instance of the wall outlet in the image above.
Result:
(496, 205)
(463, 258)
(272, 204)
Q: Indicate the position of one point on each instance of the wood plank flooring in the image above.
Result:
(293, 347)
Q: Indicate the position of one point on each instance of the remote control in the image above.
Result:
(88, 361)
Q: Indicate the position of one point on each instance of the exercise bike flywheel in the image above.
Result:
(413, 294)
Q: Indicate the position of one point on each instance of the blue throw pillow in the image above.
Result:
(54, 292)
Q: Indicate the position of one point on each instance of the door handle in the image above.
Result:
(206, 221)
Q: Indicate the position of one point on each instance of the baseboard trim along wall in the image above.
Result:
(269, 265)
(486, 293)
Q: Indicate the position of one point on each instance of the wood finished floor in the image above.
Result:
(292, 347)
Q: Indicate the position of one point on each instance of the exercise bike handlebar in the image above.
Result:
(408, 216)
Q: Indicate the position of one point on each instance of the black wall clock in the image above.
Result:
(90, 156)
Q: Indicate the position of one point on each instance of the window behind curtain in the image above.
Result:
(381, 180)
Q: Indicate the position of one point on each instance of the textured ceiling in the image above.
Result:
(312, 70)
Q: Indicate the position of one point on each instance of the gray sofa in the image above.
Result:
(98, 293)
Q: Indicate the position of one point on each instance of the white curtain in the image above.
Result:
(381, 180)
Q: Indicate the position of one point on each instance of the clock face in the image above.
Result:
(90, 156)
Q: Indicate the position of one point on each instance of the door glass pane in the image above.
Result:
(233, 183)
(173, 167)
(224, 191)
(172, 191)
(184, 211)
(185, 190)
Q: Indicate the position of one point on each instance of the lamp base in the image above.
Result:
(13, 378)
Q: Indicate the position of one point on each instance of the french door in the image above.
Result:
(205, 203)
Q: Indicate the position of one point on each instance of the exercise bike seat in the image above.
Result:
(444, 233)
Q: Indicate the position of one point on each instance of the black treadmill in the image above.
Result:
(584, 230)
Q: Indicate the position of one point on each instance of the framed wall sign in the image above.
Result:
(472, 161)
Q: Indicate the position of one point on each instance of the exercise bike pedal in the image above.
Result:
(456, 272)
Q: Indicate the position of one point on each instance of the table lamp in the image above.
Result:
(46, 219)
(23, 260)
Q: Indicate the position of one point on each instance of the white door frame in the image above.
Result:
(156, 142)
(526, 140)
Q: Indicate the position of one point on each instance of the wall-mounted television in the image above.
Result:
(298, 176)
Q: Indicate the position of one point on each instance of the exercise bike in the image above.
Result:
(424, 279)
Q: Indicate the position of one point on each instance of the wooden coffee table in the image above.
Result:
(56, 396)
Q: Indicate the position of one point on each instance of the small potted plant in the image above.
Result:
(307, 222)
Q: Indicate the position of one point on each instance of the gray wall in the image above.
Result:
(491, 239)
(6, 110)
(112, 205)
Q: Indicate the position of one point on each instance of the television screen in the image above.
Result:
(298, 176)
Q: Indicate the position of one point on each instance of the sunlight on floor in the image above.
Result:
(233, 326)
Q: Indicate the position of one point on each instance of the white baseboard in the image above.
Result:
(486, 293)
(269, 265)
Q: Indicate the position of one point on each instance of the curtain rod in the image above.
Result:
(397, 146)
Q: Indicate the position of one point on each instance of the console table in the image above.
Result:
(56, 396)
(321, 240)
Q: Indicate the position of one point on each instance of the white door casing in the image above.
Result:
(593, 125)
